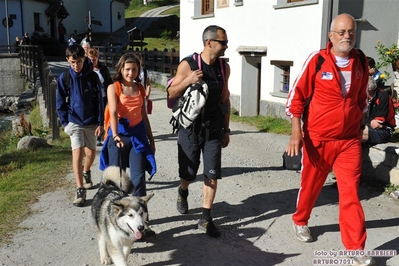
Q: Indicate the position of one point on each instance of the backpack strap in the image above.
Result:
(222, 64)
(320, 61)
(107, 116)
(145, 78)
(362, 58)
(194, 61)
(66, 79)
(196, 57)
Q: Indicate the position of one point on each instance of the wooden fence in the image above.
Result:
(159, 61)
(34, 65)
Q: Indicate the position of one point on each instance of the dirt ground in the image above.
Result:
(253, 206)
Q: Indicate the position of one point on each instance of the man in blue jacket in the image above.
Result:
(81, 112)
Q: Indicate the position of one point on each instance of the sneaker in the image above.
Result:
(209, 227)
(302, 233)
(182, 204)
(363, 261)
(87, 179)
(80, 197)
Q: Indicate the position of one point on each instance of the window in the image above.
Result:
(285, 79)
(294, 3)
(36, 18)
(207, 7)
(238, 2)
(203, 9)
(281, 75)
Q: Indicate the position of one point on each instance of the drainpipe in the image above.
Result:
(7, 20)
(22, 18)
(110, 14)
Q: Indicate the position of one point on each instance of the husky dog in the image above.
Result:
(119, 218)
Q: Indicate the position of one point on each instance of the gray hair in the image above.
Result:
(211, 33)
(372, 84)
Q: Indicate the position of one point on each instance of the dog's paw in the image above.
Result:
(106, 261)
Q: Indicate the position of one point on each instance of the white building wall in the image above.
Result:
(16, 29)
(28, 9)
(77, 9)
(290, 34)
(77, 17)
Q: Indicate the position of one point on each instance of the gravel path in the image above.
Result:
(254, 204)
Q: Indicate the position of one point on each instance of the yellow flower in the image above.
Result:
(387, 55)
(382, 76)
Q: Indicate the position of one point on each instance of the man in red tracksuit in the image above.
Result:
(331, 131)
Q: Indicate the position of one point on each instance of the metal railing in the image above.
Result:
(34, 65)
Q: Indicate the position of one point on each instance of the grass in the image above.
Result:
(264, 123)
(25, 175)
(162, 32)
(136, 8)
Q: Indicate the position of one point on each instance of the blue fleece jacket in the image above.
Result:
(139, 140)
(82, 103)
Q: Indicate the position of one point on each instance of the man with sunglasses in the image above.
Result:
(210, 132)
(335, 99)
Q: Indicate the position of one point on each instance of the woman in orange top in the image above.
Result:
(129, 141)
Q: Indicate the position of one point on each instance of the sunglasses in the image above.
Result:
(224, 43)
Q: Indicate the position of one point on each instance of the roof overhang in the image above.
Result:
(57, 9)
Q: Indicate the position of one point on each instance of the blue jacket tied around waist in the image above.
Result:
(139, 142)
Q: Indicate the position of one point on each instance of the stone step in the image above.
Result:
(381, 162)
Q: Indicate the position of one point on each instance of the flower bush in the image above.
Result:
(387, 57)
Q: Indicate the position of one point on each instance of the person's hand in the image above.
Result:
(376, 124)
(294, 144)
(195, 76)
(118, 141)
(99, 131)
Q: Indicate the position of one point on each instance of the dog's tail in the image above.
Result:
(115, 177)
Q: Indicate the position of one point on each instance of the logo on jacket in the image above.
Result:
(326, 75)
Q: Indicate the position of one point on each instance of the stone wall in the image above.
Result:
(11, 83)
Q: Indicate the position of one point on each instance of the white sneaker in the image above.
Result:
(302, 233)
(363, 261)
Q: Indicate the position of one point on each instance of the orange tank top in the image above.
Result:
(129, 107)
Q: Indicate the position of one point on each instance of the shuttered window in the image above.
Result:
(207, 7)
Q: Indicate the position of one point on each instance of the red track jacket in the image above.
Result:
(330, 115)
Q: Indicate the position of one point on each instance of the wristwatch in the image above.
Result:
(227, 130)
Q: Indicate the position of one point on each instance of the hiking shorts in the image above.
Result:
(81, 136)
(378, 136)
(190, 146)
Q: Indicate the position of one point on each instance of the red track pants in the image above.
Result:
(345, 158)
